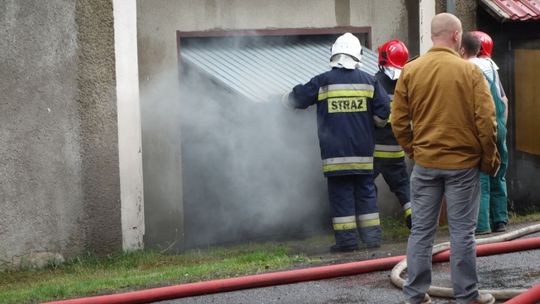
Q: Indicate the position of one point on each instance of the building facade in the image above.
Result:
(92, 99)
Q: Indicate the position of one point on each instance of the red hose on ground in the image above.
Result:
(496, 248)
(531, 296)
(285, 277)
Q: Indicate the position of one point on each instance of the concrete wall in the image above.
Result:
(99, 129)
(158, 21)
(465, 11)
(59, 180)
(387, 18)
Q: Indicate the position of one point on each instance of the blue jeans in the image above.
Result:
(462, 192)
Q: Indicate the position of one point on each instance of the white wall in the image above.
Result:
(427, 12)
(129, 124)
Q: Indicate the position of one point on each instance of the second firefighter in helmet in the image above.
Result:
(350, 103)
(389, 158)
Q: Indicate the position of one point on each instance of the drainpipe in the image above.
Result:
(426, 11)
(451, 6)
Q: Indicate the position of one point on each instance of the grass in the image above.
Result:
(91, 275)
(524, 218)
(394, 229)
(141, 269)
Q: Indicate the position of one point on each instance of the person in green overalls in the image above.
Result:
(493, 214)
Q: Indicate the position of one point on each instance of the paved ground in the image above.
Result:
(515, 270)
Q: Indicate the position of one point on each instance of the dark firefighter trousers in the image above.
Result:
(353, 204)
(394, 172)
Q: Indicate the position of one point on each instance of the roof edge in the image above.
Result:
(495, 11)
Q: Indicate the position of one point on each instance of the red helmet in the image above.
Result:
(486, 44)
(393, 53)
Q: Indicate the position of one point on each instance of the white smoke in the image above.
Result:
(251, 169)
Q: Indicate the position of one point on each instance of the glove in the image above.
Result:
(379, 122)
(286, 101)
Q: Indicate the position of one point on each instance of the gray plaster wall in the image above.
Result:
(388, 19)
(465, 11)
(59, 191)
(158, 21)
(99, 127)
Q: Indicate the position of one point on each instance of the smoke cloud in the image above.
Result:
(251, 169)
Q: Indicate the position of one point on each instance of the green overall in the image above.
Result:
(493, 197)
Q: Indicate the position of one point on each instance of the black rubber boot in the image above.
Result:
(338, 249)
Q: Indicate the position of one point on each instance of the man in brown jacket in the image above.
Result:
(443, 117)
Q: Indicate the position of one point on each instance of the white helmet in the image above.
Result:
(347, 44)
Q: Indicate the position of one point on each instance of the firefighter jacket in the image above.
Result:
(347, 100)
(387, 148)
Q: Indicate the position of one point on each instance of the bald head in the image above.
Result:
(446, 31)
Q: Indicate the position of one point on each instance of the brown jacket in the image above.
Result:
(443, 114)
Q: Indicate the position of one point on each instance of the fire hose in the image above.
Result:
(530, 296)
(308, 274)
(445, 292)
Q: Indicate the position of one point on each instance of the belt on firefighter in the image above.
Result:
(388, 151)
(347, 163)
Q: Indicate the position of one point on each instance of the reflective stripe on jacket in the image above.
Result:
(346, 102)
(386, 145)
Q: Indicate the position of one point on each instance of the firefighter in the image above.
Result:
(389, 156)
(350, 103)
(493, 214)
